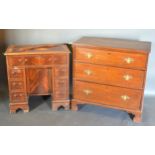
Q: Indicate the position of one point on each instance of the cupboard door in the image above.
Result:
(38, 81)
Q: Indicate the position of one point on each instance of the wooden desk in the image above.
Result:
(38, 70)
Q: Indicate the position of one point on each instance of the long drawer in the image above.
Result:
(122, 59)
(37, 60)
(110, 75)
(107, 95)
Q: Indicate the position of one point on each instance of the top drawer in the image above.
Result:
(16, 60)
(103, 57)
(32, 60)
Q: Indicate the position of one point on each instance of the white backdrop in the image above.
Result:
(35, 36)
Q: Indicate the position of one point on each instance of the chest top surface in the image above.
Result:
(110, 43)
(36, 49)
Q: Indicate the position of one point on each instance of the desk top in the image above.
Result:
(36, 49)
(114, 43)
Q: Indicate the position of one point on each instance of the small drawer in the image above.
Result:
(16, 60)
(16, 73)
(110, 75)
(18, 97)
(107, 95)
(31, 60)
(17, 85)
(61, 72)
(61, 85)
(59, 59)
(103, 57)
(60, 95)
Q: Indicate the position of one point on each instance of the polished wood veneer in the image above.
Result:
(106, 94)
(108, 57)
(38, 70)
(110, 73)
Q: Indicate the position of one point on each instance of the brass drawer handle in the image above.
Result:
(15, 95)
(127, 77)
(16, 71)
(125, 97)
(89, 55)
(88, 72)
(26, 60)
(87, 91)
(129, 60)
(20, 60)
(20, 95)
(14, 83)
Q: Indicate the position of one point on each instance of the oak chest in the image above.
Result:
(38, 70)
(111, 73)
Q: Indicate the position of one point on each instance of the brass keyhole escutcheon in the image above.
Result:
(88, 72)
(129, 60)
(87, 91)
(125, 97)
(127, 77)
(89, 55)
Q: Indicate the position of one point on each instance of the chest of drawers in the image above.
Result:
(38, 70)
(110, 73)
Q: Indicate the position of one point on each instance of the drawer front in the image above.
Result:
(60, 95)
(39, 60)
(128, 60)
(59, 59)
(61, 89)
(16, 73)
(61, 72)
(16, 60)
(61, 84)
(110, 75)
(107, 95)
(17, 97)
(17, 85)
(47, 60)
(32, 60)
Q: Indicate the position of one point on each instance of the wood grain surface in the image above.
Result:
(110, 72)
(38, 70)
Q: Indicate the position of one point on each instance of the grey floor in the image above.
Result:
(41, 114)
